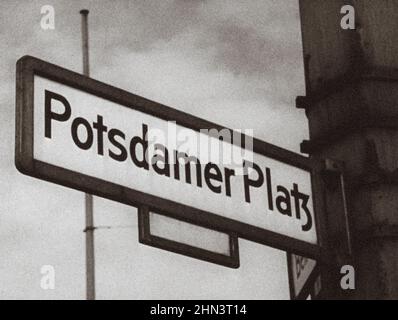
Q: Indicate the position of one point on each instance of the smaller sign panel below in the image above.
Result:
(181, 237)
(302, 275)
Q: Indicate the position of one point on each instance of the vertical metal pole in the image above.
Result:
(90, 262)
(347, 225)
(86, 64)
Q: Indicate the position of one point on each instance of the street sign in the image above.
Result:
(90, 136)
(303, 273)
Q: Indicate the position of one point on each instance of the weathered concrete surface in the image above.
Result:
(352, 86)
(335, 51)
(379, 20)
(329, 47)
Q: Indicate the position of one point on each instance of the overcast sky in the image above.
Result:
(236, 63)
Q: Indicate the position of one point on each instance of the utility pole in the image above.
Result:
(352, 107)
(89, 230)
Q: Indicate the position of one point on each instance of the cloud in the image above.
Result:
(258, 44)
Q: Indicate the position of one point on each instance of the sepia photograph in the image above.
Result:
(199, 155)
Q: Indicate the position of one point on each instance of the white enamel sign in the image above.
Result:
(122, 144)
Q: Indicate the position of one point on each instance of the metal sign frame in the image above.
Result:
(145, 237)
(28, 67)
